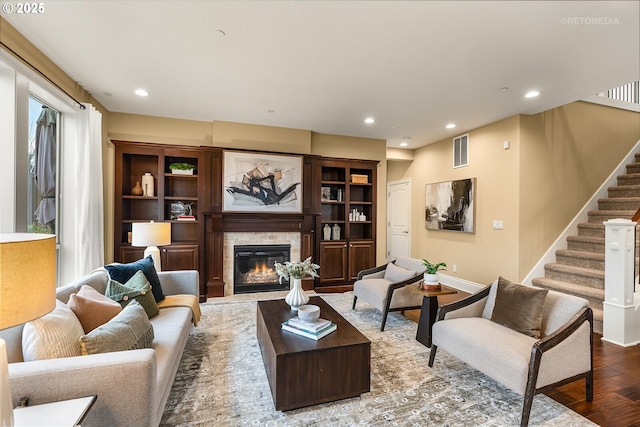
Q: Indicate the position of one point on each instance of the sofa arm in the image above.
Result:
(462, 304)
(179, 282)
(124, 383)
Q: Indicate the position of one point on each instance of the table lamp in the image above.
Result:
(151, 234)
(27, 291)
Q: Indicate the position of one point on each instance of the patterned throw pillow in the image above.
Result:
(92, 308)
(124, 272)
(137, 288)
(129, 330)
(56, 334)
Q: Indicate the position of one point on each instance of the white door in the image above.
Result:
(398, 219)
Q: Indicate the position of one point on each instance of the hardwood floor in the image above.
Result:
(616, 400)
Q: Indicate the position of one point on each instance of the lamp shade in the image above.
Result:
(151, 233)
(27, 277)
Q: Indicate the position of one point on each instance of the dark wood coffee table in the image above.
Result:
(305, 372)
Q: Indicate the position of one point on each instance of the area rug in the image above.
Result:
(221, 380)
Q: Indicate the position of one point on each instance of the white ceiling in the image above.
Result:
(326, 65)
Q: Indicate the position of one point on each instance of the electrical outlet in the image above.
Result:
(454, 268)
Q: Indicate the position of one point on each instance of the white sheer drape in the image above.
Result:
(89, 211)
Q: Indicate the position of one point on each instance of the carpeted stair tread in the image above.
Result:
(591, 229)
(619, 204)
(580, 258)
(594, 295)
(599, 216)
(629, 179)
(576, 275)
(624, 191)
(586, 244)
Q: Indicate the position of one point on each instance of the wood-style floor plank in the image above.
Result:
(616, 398)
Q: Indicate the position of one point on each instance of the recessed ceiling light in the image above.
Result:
(405, 141)
(219, 33)
(404, 144)
(141, 92)
(532, 94)
(451, 126)
(369, 120)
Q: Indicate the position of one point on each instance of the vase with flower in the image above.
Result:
(296, 271)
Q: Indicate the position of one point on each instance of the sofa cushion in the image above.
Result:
(92, 308)
(393, 273)
(53, 335)
(123, 272)
(129, 330)
(137, 288)
(519, 307)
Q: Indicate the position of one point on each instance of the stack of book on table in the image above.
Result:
(314, 330)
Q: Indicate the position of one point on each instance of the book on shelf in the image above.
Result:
(288, 326)
(186, 218)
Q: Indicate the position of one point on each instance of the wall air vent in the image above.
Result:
(461, 151)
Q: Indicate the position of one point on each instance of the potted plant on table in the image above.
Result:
(296, 270)
(431, 278)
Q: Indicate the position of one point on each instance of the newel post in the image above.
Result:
(621, 319)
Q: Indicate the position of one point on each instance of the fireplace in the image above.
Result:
(253, 268)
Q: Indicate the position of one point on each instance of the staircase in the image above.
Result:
(579, 269)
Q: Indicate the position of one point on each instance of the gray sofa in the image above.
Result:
(132, 386)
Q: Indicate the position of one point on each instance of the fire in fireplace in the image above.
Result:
(254, 268)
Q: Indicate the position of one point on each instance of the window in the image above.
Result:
(461, 151)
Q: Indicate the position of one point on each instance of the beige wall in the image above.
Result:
(566, 155)
(556, 161)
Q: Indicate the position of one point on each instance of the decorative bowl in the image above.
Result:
(309, 313)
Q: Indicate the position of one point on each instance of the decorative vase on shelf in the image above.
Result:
(336, 232)
(296, 296)
(137, 190)
(326, 231)
(147, 185)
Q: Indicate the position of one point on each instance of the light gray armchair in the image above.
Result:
(486, 330)
(384, 286)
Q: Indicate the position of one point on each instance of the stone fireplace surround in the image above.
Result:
(254, 238)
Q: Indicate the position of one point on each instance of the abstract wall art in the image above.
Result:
(450, 205)
(258, 182)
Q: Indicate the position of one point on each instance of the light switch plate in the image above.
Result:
(498, 225)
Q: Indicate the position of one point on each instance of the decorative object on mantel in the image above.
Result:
(181, 168)
(137, 190)
(148, 185)
(326, 232)
(431, 278)
(296, 270)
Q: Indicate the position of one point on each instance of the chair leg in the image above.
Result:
(526, 408)
(355, 298)
(589, 386)
(432, 355)
(384, 320)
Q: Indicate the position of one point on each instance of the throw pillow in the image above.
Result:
(56, 334)
(124, 272)
(137, 288)
(393, 273)
(92, 308)
(519, 307)
(129, 330)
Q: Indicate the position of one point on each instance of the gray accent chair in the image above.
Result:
(384, 286)
(526, 365)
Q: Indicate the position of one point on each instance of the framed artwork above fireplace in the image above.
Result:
(259, 182)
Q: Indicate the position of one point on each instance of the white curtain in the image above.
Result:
(88, 210)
